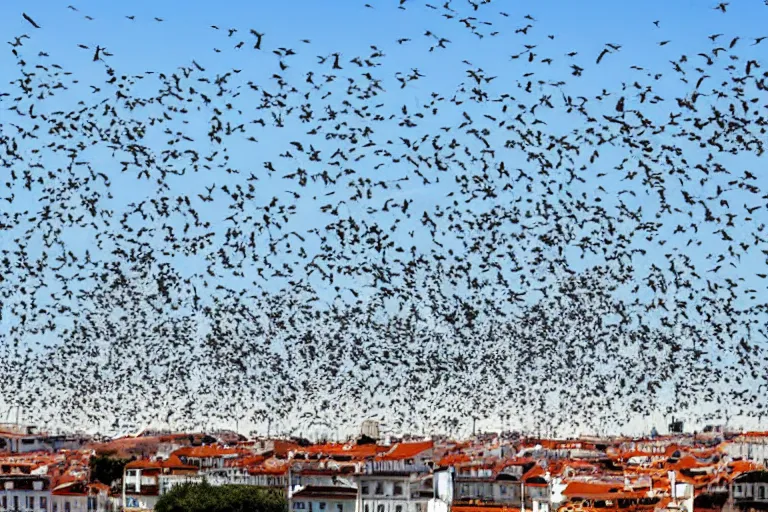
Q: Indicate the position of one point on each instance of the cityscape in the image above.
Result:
(716, 470)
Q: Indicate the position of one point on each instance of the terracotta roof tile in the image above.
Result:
(407, 450)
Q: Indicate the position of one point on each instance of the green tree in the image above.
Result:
(107, 468)
(226, 498)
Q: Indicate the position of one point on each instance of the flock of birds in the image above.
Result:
(310, 247)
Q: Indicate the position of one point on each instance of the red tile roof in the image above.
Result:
(406, 450)
(483, 508)
(210, 451)
(355, 451)
(587, 489)
(173, 462)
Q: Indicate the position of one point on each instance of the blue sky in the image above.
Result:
(350, 28)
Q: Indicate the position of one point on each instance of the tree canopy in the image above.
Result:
(205, 497)
(107, 468)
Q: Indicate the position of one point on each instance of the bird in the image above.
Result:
(258, 35)
(602, 54)
(30, 20)
(380, 219)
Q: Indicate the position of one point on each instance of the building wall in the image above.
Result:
(145, 502)
(755, 449)
(757, 492)
(25, 444)
(79, 503)
(23, 496)
(389, 494)
(168, 482)
(505, 491)
(321, 505)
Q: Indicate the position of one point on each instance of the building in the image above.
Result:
(750, 446)
(19, 491)
(315, 498)
(141, 480)
(80, 496)
(750, 490)
(370, 429)
(208, 457)
(22, 439)
(490, 483)
(399, 480)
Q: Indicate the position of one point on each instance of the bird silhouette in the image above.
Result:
(315, 239)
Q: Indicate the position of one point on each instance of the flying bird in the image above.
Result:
(30, 20)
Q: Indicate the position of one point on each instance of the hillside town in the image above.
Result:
(710, 471)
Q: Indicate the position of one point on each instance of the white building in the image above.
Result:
(400, 480)
(25, 492)
(750, 490)
(750, 446)
(81, 496)
(370, 428)
(22, 439)
(323, 499)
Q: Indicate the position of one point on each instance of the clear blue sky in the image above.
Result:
(350, 28)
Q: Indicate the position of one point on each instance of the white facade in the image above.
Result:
(384, 493)
(81, 503)
(751, 491)
(25, 500)
(329, 503)
(226, 476)
(23, 444)
(370, 428)
(749, 448)
(167, 482)
(25, 493)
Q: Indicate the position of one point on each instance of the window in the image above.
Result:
(67, 506)
(92, 503)
(55, 506)
(398, 490)
(16, 503)
(298, 505)
(503, 490)
(367, 508)
(761, 492)
(398, 508)
(339, 507)
(44, 502)
(322, 505)
(5, 501)
(27, 441)
(379, 488)
(380, 508)
(738, 489)
(364, 488)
